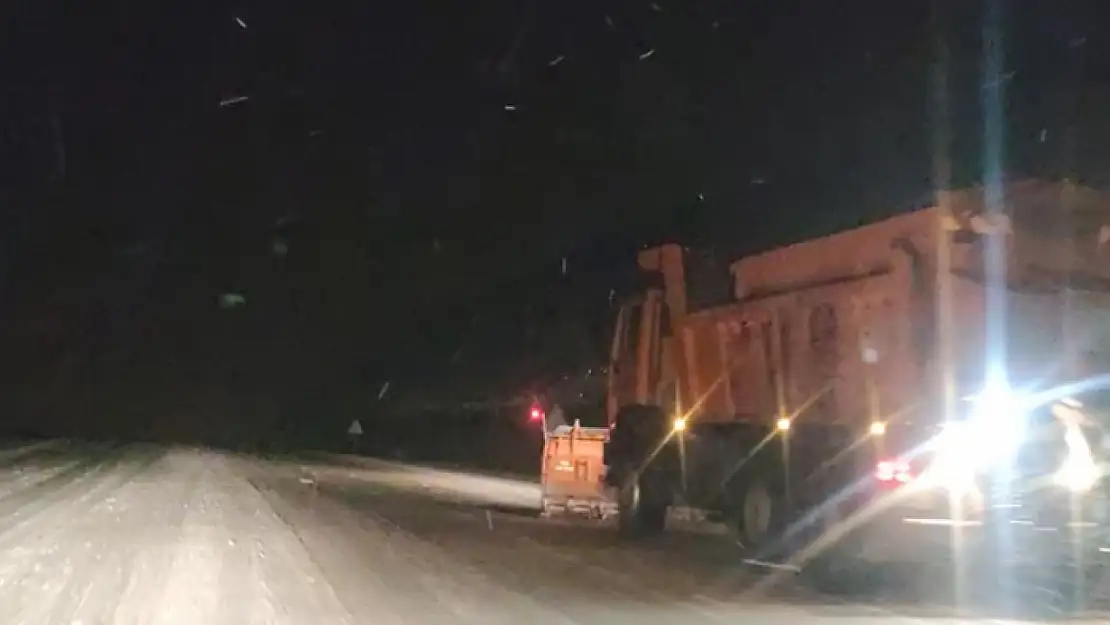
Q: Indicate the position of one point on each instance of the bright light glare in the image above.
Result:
(679, 424)
(1079, 472)
(996, 424)
(878, 428)
(783, 424)
(992, 432)
(956, 460)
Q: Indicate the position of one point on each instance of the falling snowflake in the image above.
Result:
(234, 100)
(232, 300)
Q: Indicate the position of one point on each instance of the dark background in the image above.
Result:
(394, 198)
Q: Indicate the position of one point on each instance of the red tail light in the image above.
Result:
(893, 472)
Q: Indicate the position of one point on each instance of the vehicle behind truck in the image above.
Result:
(878, 395)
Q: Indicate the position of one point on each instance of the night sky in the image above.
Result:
(392, 187)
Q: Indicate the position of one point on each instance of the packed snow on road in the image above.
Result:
(159, 536)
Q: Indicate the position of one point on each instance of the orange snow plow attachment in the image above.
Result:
(573, 470)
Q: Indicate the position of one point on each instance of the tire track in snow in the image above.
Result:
(37, 567)
(235, 562)
(615, 592)
(60, 489)
(20, 454)
(37, 474)
(282, 572)
(134, 529)
(413, 581)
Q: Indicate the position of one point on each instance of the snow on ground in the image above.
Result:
(502, 491)
(26, 466)
(158, 539)
(439, 527)
(11, 450)
(154, 536)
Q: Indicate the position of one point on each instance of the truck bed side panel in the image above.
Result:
(833, 353)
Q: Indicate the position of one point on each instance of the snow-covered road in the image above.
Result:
(149, 535)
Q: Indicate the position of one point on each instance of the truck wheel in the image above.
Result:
(640, 511)
(755, 520)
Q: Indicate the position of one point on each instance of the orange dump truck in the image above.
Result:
(803, 404)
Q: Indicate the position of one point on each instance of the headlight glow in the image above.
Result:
(991, 433)
(954, 461)
(1079, 471)
(996, 423)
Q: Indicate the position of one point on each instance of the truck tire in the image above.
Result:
(756, 521)
(642, 509)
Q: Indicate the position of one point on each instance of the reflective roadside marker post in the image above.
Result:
(354, 432)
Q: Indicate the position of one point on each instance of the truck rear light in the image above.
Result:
(893, 472)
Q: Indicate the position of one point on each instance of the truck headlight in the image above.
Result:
(993, 431)
(955, 462)
(995, 424)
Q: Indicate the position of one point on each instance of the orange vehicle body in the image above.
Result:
(857, 337)
(572, 471)
(856, 326)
